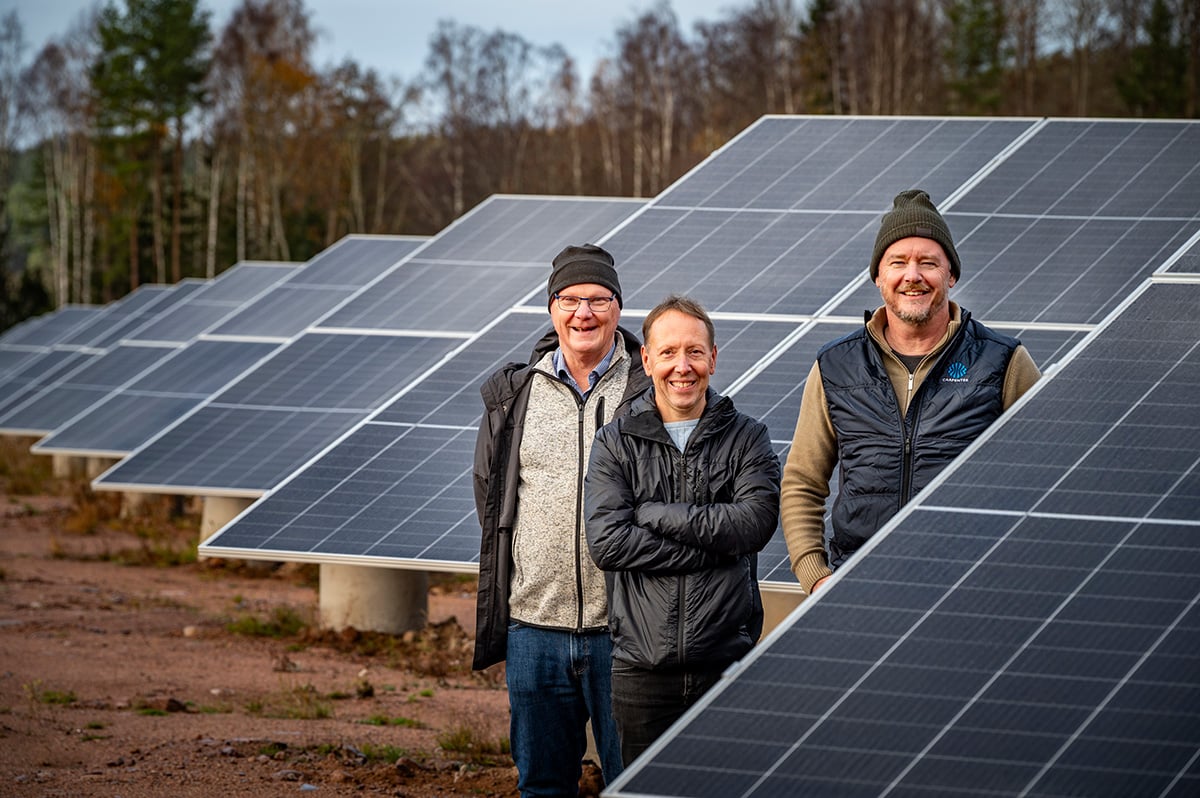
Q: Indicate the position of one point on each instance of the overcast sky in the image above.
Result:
(392, 36)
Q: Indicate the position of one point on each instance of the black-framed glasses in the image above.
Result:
(570, 304)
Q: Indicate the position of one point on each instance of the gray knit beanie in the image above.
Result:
(913, 214)
(588, 263)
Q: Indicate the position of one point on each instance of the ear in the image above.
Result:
(646, 361)
(712, 360)
(953, 280)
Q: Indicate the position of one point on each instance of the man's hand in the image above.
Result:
(818, 583)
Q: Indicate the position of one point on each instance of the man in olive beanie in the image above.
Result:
(895, 401)
(586, 263)
(913, 214)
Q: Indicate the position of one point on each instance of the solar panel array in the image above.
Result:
(374, 341)
(772, 234)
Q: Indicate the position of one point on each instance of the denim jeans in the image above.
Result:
(647, 702)
(556, 681)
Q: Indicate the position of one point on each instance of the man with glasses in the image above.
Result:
(542, 604)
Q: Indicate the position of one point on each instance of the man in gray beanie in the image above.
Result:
(542, 603)
(892, 403)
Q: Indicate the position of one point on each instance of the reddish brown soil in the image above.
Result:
(123, 675)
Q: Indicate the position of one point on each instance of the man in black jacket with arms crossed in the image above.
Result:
(680, 496)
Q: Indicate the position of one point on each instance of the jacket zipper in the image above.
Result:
(682, 578)
(578, 511)
(581, 421)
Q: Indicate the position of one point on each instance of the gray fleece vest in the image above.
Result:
(555, 584)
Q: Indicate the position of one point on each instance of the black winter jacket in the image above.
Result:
(679, 533)
(497, 475)
(885, 460)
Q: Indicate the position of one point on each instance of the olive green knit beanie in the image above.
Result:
(913, 214)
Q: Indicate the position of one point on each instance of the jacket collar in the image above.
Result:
(644, 420)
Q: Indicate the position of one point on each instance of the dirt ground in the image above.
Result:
(129, 668)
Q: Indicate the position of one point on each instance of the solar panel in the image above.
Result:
(52, 328)
(324, 282)
(101, 328)
(213, 301)
(254, 432)
(1028, 625)
(783, 218)
(44, 410)
(124, 420)
(482, 264)
(32, 374)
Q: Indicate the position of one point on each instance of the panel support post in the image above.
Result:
(373, 599)
(219, 511)
(777, 605)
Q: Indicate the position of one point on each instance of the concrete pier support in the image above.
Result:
(387, 600)
(219, 511)
(777, 605)
(67, 466)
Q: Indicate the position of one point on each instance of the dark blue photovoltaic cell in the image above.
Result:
(174, 298)
(437, 296)
(204, 304)
(1189, 262)
(336, 371)
(450, 395)
(526, 230)
(782, 263)
(117, 425)
(285, 312)
(1032, 623)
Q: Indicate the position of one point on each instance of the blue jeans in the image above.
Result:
(647, 702)
(556, 681)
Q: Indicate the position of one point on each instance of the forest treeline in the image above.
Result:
(149, 144)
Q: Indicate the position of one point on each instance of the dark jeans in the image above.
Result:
(646, 702)
(556, 681)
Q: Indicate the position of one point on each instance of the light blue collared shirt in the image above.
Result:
(564, 374)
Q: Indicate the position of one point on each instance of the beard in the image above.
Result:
(911, 314)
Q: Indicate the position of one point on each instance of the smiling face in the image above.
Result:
(914, 281)
(584, 335)
(679, 356)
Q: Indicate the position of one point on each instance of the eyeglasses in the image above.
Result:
(570, 304)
